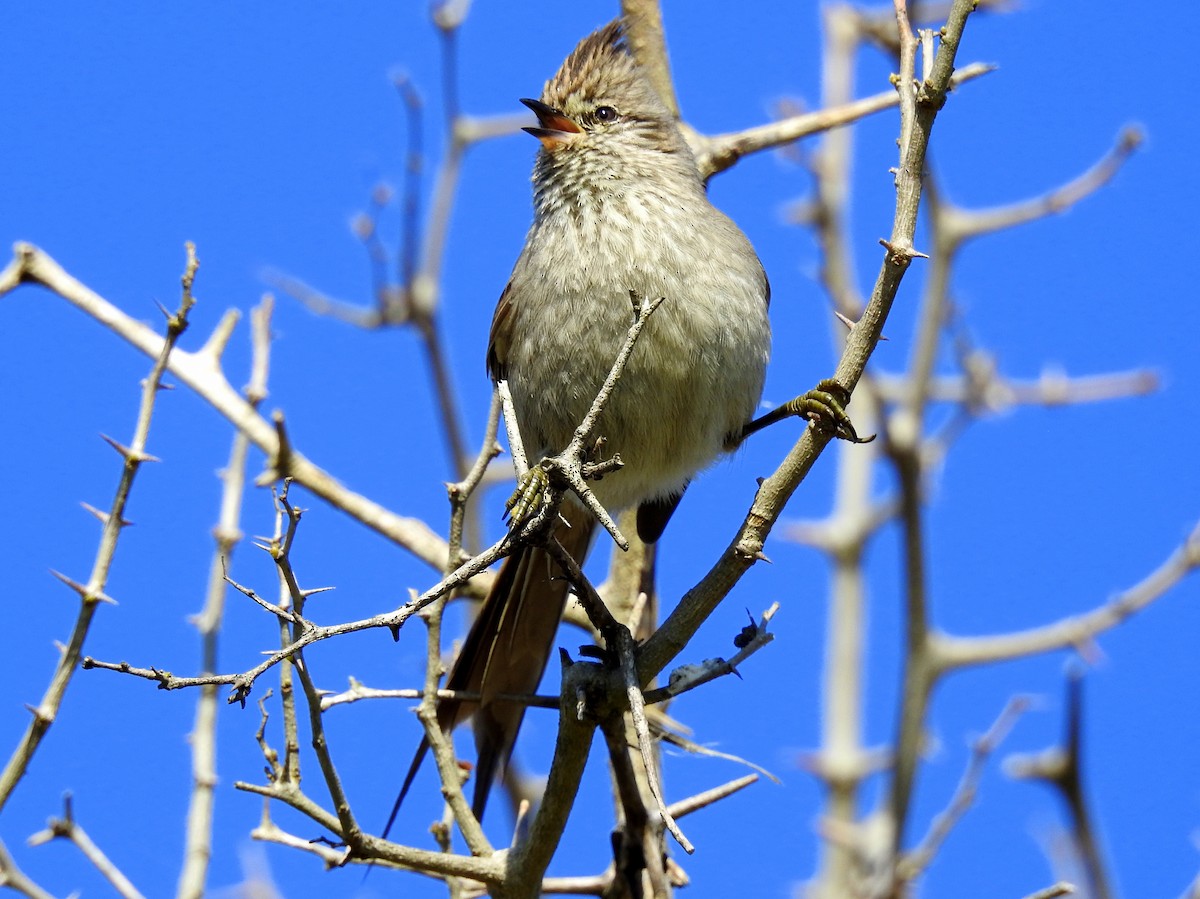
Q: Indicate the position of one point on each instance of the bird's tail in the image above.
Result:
(506, 651)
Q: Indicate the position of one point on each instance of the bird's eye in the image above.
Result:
(606, 114)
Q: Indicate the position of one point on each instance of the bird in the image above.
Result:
(619, 205)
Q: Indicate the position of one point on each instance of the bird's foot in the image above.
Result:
(824, 406)
(528, 498)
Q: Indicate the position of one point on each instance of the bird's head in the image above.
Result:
(600, 98)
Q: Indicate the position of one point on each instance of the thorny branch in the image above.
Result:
(201, 371)
(92, 593)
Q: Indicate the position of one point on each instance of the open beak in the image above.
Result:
(555, 129)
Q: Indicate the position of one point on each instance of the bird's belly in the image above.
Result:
(693, 379)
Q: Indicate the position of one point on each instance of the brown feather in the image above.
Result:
(506, 651)
(500, 335)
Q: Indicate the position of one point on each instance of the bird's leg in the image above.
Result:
(824, 406)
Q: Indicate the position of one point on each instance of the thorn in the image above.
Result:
(314, 591)
(102, 515)
(127, 454)
(164, 310)
(269, 476)
(74, 585)
(84, 593)
(760, 556)
(590, 651)
(119, 447)
(395, 629)
(907, 253)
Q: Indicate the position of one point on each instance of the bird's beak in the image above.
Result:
(555, 129)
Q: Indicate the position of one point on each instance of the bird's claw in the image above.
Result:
(824, 406)
(529, 497)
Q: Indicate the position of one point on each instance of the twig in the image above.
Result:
(917, 860)
(983, 389)
(716, 153)
(689, 677)
(68, 828)
(201, 372)
(840, 761)
(626, 655)
(708, 797)
(638, 847)
(374, 850)
(198, 839)
(243, 682)
(1061, 768)
(919, 105)
(15, 879)
(357, 691)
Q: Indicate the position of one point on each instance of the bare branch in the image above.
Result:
(203, 741)
(716, 153)
(962, 225)
(644, 30)
(914, 862)
(1078, 630)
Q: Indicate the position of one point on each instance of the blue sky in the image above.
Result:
(258, 130)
